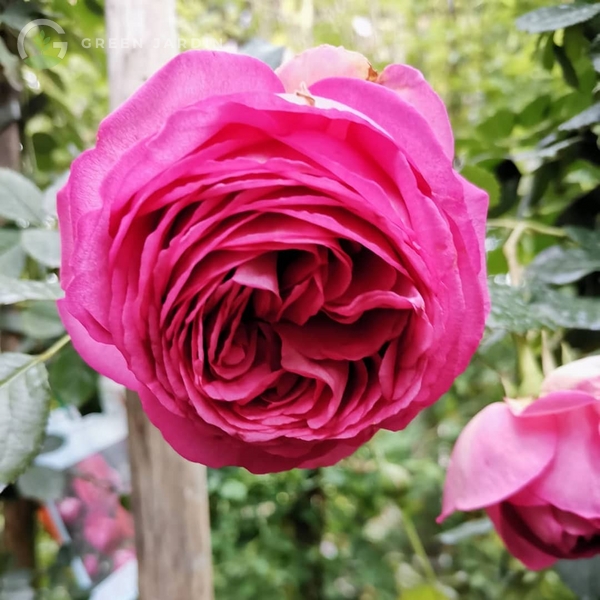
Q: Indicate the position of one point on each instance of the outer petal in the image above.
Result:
(324, 61)
(403, 122)
(410, 85)
(144, 114)
(573, 482)
(557, 403)
(199, 442)
(583, 374)
(496, 455)
(531, 556)
(477, 206)
(104, 358)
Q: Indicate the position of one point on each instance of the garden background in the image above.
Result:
(522, 93)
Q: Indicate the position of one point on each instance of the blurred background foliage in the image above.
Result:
(522, 92)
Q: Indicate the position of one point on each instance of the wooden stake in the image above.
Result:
(170, 499)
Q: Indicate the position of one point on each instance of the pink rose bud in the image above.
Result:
(69, 509)
(582, 374)
(536, 472)
(91, 564)
(122, 557)
(279, 263)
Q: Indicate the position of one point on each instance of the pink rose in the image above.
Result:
(536, 472)
(102, 532)
(279, 264)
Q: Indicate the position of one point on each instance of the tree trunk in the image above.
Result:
(170, 500)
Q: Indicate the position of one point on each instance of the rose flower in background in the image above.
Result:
(535, 468)
(280, 264)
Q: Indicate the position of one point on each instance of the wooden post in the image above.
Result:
(170, 499)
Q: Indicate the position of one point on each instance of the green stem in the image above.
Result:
(531, 225)
(531, 375)
(37, 359)
(511, 252)
(418, 548)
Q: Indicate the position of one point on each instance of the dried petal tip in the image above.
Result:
(303, 92)
(372, 75)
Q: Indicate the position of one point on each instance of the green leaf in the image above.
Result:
(19, 198)
(464, 531)
(51, 443)
(24, 404)
(483, 179)
(18, 14)
(551, 18)
(595, 53)
(511, 309)
(42, 483)
(587, 238)
(559, 266)
(569, 74)
(498, 126)
(590, 116)
(17, 290)
(51, 192)
(71, 380)
(582, 576)
(12, 257)
(571, 312)
(40, 320)
(548, 54)
(42, 245)
(535, 112)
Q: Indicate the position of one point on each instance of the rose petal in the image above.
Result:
(410, 85)
(324, 61)
(573, 482)
(483, 470)
(529, 554)
(582, 374)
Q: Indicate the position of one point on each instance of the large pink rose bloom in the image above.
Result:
(280, 264)
(536, 470)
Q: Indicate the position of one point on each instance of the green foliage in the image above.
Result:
(24, 404)
(20, 199)
(582, 576)
(552, 18)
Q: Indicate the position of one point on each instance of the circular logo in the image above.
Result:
(43, 50)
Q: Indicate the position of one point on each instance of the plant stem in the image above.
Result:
(531, 225)
(38, 358)
(418, 548)
(511, 251)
